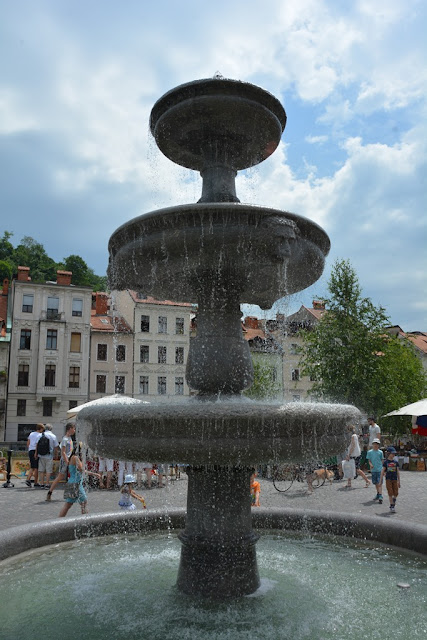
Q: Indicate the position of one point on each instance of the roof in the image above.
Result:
(419, 339)
(138, 297)
(317, 313)
(251, 334)
(108, 323)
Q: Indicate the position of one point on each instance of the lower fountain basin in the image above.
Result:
(122, 586)
(234, 433)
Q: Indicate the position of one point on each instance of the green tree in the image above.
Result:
(30, 253)
(350, 355)
(265, 385)
(79, 269)
(5, 271)
(6, 248)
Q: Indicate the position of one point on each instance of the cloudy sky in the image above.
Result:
(78, 80)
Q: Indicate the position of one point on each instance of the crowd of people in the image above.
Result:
(43, 448)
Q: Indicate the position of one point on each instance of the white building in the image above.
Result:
(161, 331)
(111, 351)
(49, 352)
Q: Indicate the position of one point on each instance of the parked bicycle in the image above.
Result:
(285, 475)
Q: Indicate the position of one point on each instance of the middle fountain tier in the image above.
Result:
(218, 253)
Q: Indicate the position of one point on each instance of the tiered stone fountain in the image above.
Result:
(218, 253)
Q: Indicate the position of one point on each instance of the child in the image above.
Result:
(75, 469)
(255, 490)
(375, 458)
(392, 477)
(127, 493)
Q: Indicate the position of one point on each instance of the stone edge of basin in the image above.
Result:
(24, 538)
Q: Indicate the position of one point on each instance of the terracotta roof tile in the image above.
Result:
(150, 300)
(108, 323)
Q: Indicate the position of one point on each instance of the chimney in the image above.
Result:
(319, 304)
(63, 277)
(23, 274)
(101, 304)
(251, 322)
(5, 286)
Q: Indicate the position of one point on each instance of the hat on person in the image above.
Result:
(391, 450)
(129, 478)
(376, 441)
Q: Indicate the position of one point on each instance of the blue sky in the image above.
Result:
(78, 80)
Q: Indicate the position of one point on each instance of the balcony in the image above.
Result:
(52, 315)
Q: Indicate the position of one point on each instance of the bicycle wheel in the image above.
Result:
(283, 479)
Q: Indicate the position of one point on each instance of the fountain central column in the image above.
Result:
(218, 557)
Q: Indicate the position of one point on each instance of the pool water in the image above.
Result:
(116, 588)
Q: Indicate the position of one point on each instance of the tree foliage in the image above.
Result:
(30, 253)
(352, 358)
(265, 385)
(5, 271)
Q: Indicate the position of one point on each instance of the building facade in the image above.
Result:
(111, 351)
(49, 352)
(5, 334)
(161, 333)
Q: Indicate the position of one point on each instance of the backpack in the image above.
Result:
(43, 446)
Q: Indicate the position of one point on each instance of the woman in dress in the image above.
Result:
(77, 493)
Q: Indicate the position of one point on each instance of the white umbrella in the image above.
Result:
(415, 409)
(117, 398)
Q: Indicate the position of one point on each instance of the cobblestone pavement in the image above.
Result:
(21, 505)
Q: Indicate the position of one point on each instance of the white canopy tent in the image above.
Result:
(415, 409)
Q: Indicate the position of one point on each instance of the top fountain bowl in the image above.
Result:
(217, 121)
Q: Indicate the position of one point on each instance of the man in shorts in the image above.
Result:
(66, 450)
(34, 463)
(392, 477)
(46, 461)
(375, 458)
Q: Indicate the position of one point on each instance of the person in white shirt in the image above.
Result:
(33, 438)
(374, 431)
(46, 461)
(353, 452)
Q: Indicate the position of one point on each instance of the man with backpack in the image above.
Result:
(45, 448)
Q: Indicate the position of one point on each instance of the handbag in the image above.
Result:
(72, 490)
(349, 468)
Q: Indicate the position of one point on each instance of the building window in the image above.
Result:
(27, 303)
(102, 352)
(21, 407)
(179, 355)
(23, 374)
(72, 404)
(295, 374)
(143, 385)
(273, 374)
(25, 341)
(51, 339)
(145, 324)
(101, 384)
(49, 375)
(144, 353)
(120, 353)
(296, 398)
(52, 308)
(179, 386)
(47, 406)
(163, 324)
(74, 378)
(77, 309)
(161, 385)
(119, 386)
(76, 342)
(161, 355)
(179, 326)
(294, 349)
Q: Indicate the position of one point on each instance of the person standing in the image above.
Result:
(392, 477)
(46, 459)
(354, 452)
(106, 465)
(66, 449)
(75, 467)
(375, 458)
(33, 438)
(374, 431)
